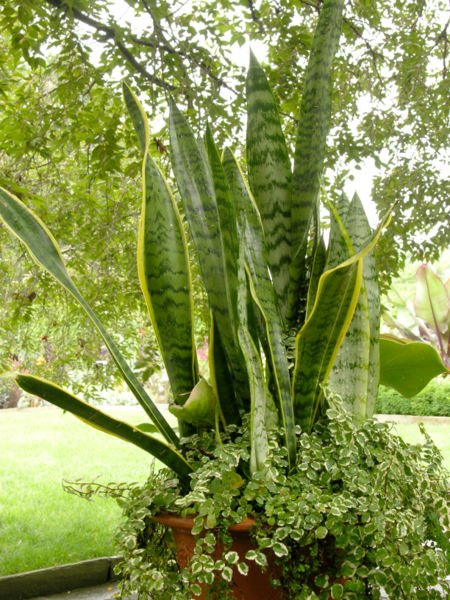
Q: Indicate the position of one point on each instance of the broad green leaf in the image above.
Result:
(408, 366)
(269, 175)
(200, 408)
(259, 392)
(96, 418)
(432, 300)
(196, 186)
(263, 294)
(314, 124)
(163, 267)
(319, 339)
(43, 247)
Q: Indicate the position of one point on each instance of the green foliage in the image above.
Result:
(249, 327)
(433, 401)
(390, 102)
(361, 511)
(423, 352)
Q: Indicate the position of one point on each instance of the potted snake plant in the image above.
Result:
(277, 437)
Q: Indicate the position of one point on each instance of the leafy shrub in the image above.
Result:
(434, 400)
(361, 511)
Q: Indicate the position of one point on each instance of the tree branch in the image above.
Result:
(110, 33)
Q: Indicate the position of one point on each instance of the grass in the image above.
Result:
(40, 524)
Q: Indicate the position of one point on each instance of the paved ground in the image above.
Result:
(99, 592)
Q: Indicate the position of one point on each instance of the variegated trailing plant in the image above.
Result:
(289, 314)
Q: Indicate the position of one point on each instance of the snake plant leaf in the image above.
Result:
(259, 392)
(227, 219)
(432, 300)
(263, 294)
(163, 267)
(319, 340)
(196, 186)
(269, 175)
(221, 380)
(360, 231)
(407, 366)
(355, 374)
(96, 418)
(42, 246)
(200, 408)
(314, 124)
(319, 262)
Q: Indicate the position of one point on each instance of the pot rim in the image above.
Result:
(186, 523)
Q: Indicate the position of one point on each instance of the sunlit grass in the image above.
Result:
(40, 524)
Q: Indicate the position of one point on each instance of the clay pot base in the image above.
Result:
(256, 585)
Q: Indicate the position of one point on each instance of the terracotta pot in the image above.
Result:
(256, 585)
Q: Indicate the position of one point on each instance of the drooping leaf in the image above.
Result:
(269, 175)
(314, 124)
(43, 247)
(96, 418)
(163, 267)
(407, 366)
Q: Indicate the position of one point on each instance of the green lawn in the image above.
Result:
(40, 524)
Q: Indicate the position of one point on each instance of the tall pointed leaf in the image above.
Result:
(221, 379)
(360, 231)
(319, 339)
(163, 267)
(96, 418)
(198, 194)
(259, 392)
(355, 374)
(269, 175)
(227, 219)
(43, 247)
(263, 294)
(314, 124)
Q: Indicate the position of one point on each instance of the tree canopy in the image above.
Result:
(65, 144)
